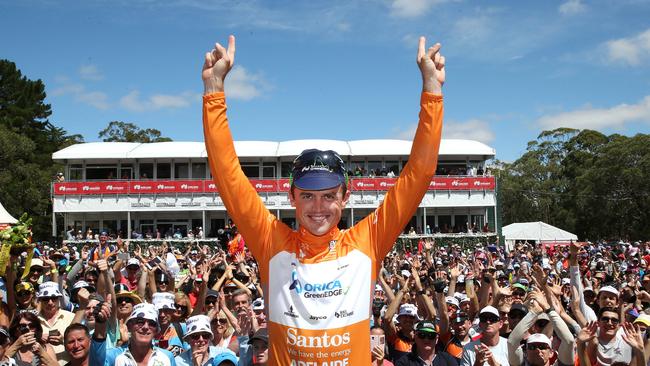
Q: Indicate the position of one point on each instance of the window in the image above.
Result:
(268, 170)
(181, 171)
(285, 168)
(163, 171)
(392, 166)
(76, 172)
(374, 168)
(444, 223)
(101, 172)
(198, 171)
(460, 223)
(146, 171)
(252, 170)
(126, 171)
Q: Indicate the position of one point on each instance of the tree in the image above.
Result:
(27, 141)
(118, 131)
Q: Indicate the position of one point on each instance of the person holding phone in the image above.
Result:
(28, 347)
(378, 349)
(54, 320)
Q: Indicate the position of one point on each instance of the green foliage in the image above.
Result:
(18, 234)
(118, 131)
(581, 181)
(27, 141)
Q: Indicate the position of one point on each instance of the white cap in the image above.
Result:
(49, 289)
(406, 273)
(133, 262)
(163, 300)
(450, 300)
(538, 338)
(81, 284)
(490, 310)
(378, 288)
(609, 289)
(408, 310)
(198, 324)
(258, 304)
(566, 281)
(144, 311)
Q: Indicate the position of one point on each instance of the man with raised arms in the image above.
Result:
(319, 279)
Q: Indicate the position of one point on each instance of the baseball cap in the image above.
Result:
(83, 284)
(520, 286)
(258, 304)
(261, 334)
(450, 300)
(198, 324)
(316, 170)
(520, 308)
(490, 310)
(609, 289)
(133, 262)
(226, 355)
(408, 310)
(426, 326)
(212, 293)
(643, 319)
(538, 338)
(36, 262)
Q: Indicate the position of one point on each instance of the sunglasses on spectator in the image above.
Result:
(23, 293)
(127, 300)
(427, 335)
(519, 293)
(48, 299)
(210, 302)
(36, 270)
(141, 322)
(536, 346)
(607, 319)
(490, 319)
(180, 307)
(222, 320)
(197, 336)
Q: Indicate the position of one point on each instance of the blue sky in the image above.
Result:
(339, 69)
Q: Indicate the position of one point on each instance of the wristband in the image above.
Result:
(548, 311)
(54, 271)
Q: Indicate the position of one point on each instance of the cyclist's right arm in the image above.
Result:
(250, 215)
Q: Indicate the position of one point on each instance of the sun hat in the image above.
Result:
(24, 286)
(49, 289)
(163, 300)
(198, 324)
(316, 170)
(121, 290)
(144, 311)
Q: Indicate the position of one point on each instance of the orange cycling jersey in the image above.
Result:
(318, 288)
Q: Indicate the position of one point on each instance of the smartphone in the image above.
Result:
(377, 340)
(152, 263)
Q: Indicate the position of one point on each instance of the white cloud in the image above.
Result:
(241, 84)
(473, 30)
(96, 99)
(90, 72)
(599, 118)
(572, 7)
(473, 129)
(410, 8)
(631, 51)
(134, 103)
(78, 91)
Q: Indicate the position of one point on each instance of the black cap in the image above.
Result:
(518, 307)
(426, 326)
(316, 170)
(261, 334)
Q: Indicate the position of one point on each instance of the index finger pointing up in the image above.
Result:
(421, 47)
(231, 47)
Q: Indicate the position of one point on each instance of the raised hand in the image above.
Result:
(432, 67)
(633, 336)
(216, 66)
(587, 333)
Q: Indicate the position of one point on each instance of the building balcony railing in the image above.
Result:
(166, 187)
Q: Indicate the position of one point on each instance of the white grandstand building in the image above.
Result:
(167, 186)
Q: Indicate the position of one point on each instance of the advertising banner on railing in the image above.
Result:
(260, 185)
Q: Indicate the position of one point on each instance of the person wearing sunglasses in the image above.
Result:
(538, 350)
(125, 300)
(424, 349)
(143, 326)
(53, 319)
(329, 263)
(200, 337)
(491, 349)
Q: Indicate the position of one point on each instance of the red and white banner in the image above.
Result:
(260, 185)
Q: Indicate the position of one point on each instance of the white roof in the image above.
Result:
(536, 231)
(5, 217)
(185, 149)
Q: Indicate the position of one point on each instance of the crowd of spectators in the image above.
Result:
(579, 304)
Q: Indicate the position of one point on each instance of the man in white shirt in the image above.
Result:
(491, 349)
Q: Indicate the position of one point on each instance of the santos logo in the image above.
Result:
(294, 339)
(317, 290)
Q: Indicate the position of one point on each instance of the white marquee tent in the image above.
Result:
(539, 232)
(5, 217)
